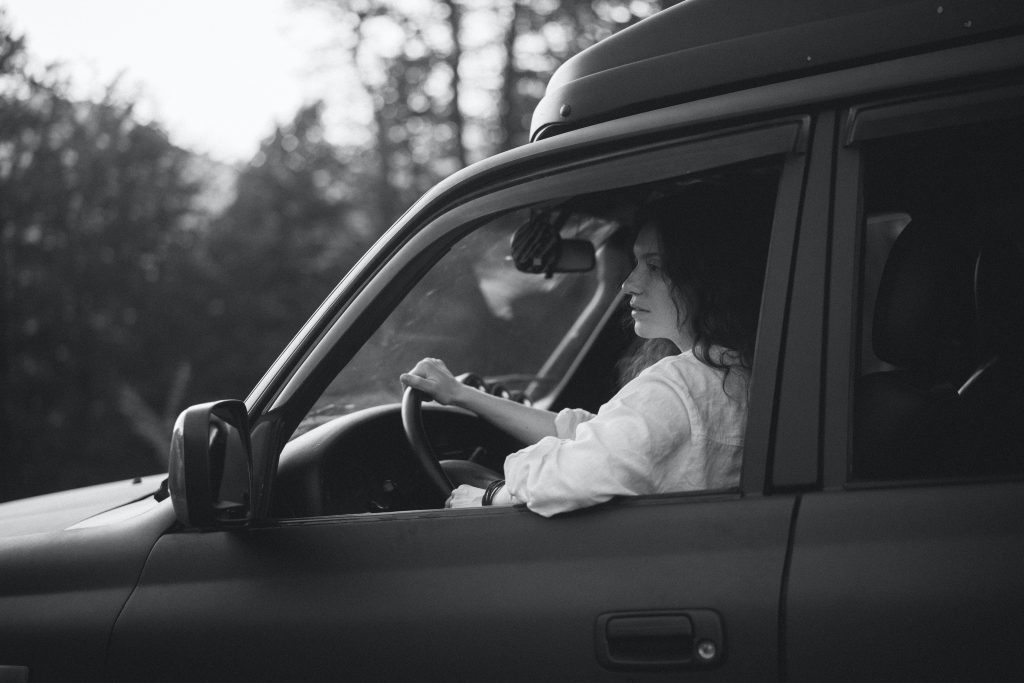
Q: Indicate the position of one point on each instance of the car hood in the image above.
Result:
(57, 511)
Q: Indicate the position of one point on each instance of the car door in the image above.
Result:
(907, 562)
(652, 586)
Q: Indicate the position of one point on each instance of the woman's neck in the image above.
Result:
(683, 340)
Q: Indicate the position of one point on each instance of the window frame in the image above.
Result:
(636, 164)
(871, 121)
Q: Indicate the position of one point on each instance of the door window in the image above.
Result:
(455, 291)
(531, 336)
(941, 365)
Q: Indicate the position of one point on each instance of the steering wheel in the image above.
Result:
(412, 422)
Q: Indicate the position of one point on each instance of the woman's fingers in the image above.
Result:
(414, 381)
(430, 368)
(432, 376)
(465, 496)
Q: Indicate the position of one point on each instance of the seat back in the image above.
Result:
(907, 420)
(993, 396)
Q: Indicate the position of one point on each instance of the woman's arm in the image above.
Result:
(631, 447)
(525, 423)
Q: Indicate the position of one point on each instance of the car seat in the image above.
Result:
(993, 396)
(907, 420)
(949, 317)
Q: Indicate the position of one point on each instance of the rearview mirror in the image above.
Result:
(537, 246)
(210, 476)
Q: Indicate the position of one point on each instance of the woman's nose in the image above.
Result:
(629, 285)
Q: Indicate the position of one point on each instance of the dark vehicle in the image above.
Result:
(878, 531)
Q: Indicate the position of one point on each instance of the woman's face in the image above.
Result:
(656, 312)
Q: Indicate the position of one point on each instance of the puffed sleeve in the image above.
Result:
(568, 419)
(618, 452)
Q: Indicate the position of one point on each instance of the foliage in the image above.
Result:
(93, 213)
(127, 293)
(452, 81)
(295, 228)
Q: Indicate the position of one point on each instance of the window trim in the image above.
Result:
(844, 313)
(796, 459)
(906, 116)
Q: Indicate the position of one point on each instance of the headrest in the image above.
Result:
(999, 295)
(924, 311)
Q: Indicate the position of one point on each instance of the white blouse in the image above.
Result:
(675, 427)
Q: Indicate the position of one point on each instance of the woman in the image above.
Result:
(678, 424)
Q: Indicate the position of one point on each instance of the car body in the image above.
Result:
(304, 542)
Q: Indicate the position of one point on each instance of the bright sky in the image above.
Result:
(217, 74)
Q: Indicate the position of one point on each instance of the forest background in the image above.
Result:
(138, 277)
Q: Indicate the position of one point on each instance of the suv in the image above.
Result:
(878, 529)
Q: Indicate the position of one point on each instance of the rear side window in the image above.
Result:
(940, 383)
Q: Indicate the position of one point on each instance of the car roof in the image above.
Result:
(704, 47)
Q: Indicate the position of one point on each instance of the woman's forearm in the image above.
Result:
(526, 423)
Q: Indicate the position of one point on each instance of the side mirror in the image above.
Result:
(210, 476)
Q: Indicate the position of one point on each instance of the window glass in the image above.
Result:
(519, 331)
(942, 302)
(477, 311)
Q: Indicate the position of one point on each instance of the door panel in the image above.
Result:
(908, 565)
(908, 584)
(61, 591)
(465, 594)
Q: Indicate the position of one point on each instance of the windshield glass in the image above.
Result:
(480, 314)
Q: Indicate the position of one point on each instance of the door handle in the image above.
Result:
(689, 638)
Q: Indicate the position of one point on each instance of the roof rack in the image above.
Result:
(704, 47)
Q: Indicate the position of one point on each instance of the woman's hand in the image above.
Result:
(465, 496)
(525, 423)
(433, 377)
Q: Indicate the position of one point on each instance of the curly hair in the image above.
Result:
(713, 245)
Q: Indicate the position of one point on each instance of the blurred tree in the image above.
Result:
(407, 59)
(539, 37)
(297, 225)
(123, 299)
(89, 221)
(453, 81)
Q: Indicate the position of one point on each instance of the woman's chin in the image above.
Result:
(646, 332)
(642, 331)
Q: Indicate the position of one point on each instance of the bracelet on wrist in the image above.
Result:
(491, 490)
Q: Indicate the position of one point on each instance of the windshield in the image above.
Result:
(480, 314)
